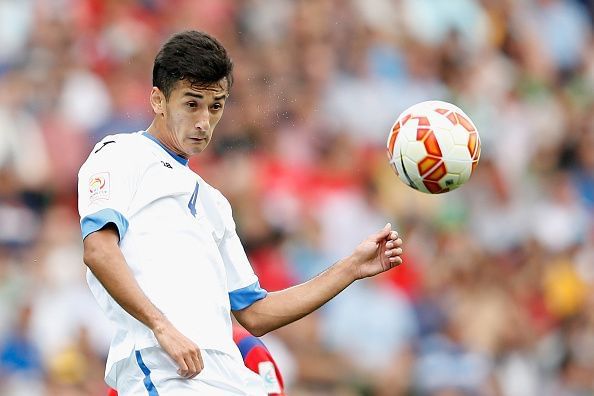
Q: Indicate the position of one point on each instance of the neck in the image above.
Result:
(158, 130)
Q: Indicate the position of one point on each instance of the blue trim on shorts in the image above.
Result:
(246, 296)
(98, 220)
(148, 383)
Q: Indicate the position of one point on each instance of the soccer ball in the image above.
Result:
(434, 147)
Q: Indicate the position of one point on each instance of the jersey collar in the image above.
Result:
(175, 156)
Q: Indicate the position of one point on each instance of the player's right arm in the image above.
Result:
(105, 259)
(107, 183)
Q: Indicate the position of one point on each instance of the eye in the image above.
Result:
(217, 106)
(192, 104)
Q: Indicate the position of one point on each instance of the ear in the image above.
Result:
(158, 101)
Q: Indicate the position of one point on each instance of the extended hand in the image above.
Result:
(378, 253)
(181, 349)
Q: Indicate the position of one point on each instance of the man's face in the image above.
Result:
(191, 114)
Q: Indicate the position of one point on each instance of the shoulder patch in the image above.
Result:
(99, 186)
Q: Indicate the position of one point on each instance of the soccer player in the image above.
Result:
(164, 260)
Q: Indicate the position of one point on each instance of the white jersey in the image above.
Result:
(178, 237)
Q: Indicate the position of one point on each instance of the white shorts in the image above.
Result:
(151, 372)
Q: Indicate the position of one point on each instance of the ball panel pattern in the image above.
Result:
(434, 147)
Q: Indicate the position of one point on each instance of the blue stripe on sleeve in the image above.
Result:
(246, 296)
(98, 220)
(248, 343)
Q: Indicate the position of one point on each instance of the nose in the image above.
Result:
(203, 121)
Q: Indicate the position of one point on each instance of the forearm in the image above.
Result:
(107, 263)
(378, 253)
(104, 258)
(286, 306)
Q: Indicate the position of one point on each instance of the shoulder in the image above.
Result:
(216, 196)
(117, 149)
(120, 142)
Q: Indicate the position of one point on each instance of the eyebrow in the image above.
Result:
(200, 96)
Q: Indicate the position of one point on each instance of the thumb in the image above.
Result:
(383, 234)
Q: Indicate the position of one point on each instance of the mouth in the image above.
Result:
(198, 139)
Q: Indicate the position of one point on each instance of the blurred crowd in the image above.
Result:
(496, 296)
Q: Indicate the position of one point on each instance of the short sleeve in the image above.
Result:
(242, 283)
(107, 182)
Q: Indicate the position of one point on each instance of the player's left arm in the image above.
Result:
(378, 253)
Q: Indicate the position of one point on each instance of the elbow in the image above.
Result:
(88, 254)
(91, 254)
(89, 257)
(255, 327)
(257, 331)
(255, 324)
(99, 245)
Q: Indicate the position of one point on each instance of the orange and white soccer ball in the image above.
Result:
(434, 147)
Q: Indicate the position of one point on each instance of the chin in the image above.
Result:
(195, 150)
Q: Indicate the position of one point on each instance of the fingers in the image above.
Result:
(190, 364)
(394, 241)
(183, 367)
(393, 249)
(185, 353)
(393, 257)
(197, 363)
(190, 371)
(393, 254)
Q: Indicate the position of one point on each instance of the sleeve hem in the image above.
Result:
(246, 296)
(96, 221)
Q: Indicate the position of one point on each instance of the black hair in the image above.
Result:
(193, 56)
